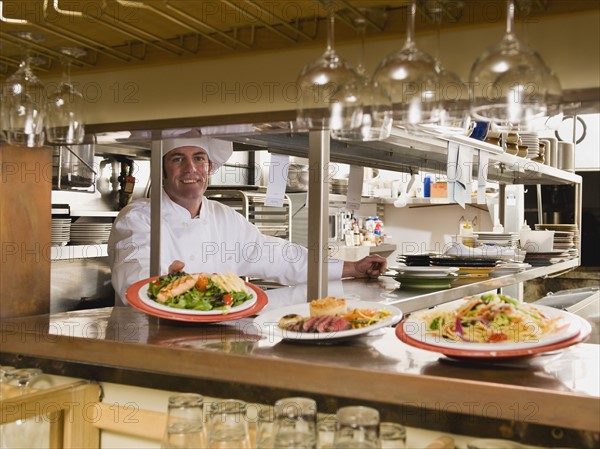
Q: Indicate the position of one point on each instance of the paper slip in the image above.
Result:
(482, 174)
(278, 174)
(355, 184)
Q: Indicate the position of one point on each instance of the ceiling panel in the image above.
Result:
(119, 33)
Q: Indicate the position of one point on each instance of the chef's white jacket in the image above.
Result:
(219, 240)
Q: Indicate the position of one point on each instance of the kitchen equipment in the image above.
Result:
(566, 156)
(73, 167)
(270, 220)
(297, 178)
(537, 241)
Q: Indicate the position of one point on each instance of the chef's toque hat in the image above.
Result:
(218, 151)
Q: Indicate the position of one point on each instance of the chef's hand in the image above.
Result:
(367, 267)
(177, 265)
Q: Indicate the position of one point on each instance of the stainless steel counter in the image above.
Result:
(233, 359)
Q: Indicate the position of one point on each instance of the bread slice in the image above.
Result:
(328, 306)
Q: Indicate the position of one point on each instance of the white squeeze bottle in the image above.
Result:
(522, 233)
(498, 227)
(466, 230)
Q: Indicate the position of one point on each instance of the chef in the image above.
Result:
(201, 235)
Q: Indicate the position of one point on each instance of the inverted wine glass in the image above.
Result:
(30, 433)
(509, 82)
(319, 84)
(23, 104)
(65, 107)
(363, 111)
(451, 115)
(410, 77)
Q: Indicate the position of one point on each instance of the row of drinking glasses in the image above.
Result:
(21, 433)
(509, 86)
(292, 423)
(28, 116)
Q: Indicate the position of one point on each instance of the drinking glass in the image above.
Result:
(24, 433)
(326, 426)
(509, 82)
(363, 110)
(264, 429)
(23, 104)
(392, 435)
(4, 370)
(185, 423)
(410, 77)
(65, 107)
(228, 425)
(296, 423)
(358, 427)
(319, 83)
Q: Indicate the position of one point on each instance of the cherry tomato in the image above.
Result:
(494, 338)
(202, 283)
(227, 299)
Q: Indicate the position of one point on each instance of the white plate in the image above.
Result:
(268, 322)
(416, 328)
(152, 303)
(493, 444)
(420, 271)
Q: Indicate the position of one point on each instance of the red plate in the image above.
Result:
(495, 352)
(133, 297)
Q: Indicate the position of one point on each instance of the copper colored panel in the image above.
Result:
(25, 230)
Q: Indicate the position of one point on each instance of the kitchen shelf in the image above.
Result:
(71, 252)
(401, 152)
(404, 152)
(412, 300)
(94, 213)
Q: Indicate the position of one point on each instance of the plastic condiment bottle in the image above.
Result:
(498, 227)
(466, 230)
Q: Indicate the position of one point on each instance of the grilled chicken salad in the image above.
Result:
(199, 291)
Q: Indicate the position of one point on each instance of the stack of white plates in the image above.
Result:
(505, 268)
(566, 237)
(90, 230)
(532, 141)
(61, 231)
(425, 277)
(497, 238)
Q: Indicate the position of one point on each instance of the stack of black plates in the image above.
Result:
(457, 261)
(415, 260)
(548, 258)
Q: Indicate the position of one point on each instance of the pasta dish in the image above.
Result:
(491, 318)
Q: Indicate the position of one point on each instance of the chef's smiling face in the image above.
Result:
(186, 173)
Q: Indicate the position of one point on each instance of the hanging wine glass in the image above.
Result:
(24, 433)
(363, 111)
(509, 82)
(553, 101)
(319, 83)
(65, 107)
(23, 104)
(410, 77)
(451, 114)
